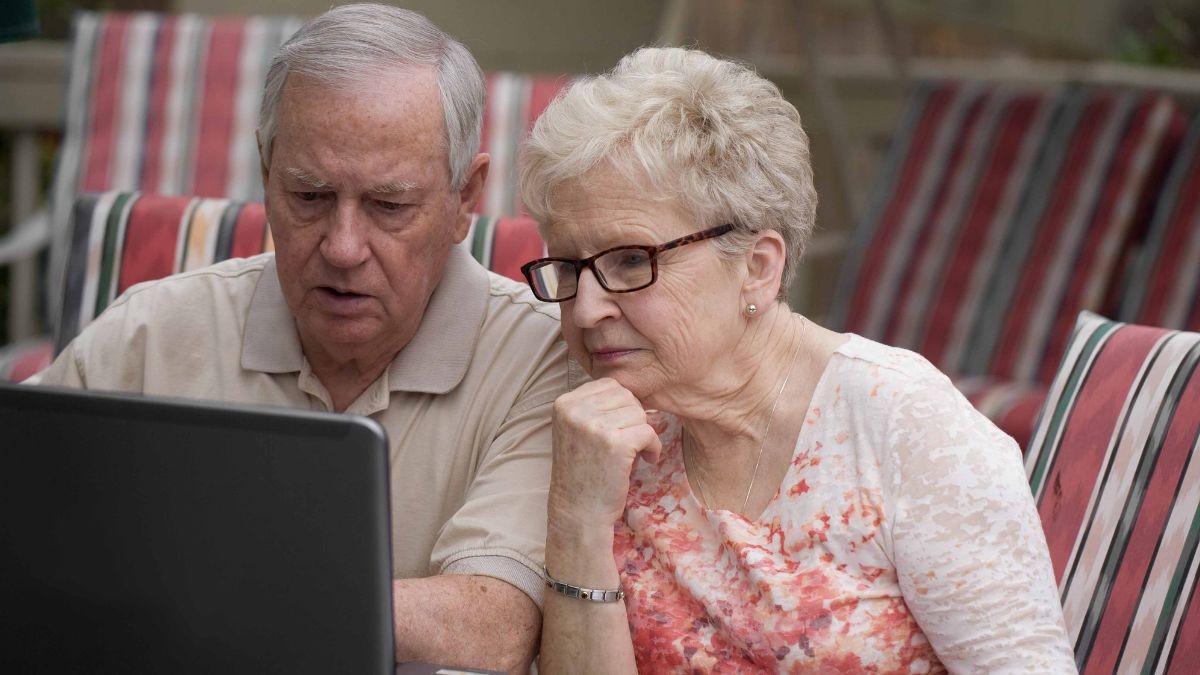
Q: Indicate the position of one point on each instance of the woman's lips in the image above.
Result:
(611, 354)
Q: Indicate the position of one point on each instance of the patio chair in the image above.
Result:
(1113, 467)
(1002, 213)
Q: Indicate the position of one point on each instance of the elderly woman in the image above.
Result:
(784, 497)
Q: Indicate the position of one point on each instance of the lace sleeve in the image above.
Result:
(967, 541)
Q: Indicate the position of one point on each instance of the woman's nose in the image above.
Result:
(591, 304)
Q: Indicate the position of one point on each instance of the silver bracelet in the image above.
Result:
(590, 594)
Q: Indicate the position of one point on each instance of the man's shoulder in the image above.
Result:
(510, 297)
(233, 277)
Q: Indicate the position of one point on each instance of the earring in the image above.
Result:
(751, 309)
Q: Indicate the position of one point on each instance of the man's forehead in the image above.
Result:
(314, 180)
(416, 82)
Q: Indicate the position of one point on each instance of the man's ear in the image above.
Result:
(262, 159)
(470, 194)
(764, 268)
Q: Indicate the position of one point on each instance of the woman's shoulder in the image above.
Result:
(868, 363)
(903, 396)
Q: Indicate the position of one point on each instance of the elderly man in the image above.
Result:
(369, 127)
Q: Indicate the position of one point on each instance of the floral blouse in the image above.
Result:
(903, 539)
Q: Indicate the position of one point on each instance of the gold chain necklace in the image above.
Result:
(766, 431)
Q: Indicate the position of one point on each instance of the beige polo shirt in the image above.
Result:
(466, 403)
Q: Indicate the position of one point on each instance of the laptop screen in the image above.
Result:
(151, 535)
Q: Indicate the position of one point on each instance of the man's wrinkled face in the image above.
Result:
(361, 209)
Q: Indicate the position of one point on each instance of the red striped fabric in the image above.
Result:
(1094, 413)
(1119, 611)
(1175, 262)
(1114, 228)
(515, 242)
(156, 113)
(953, 172)
(1115, 472)
(216, 117)
(151, 238)
(250, 235)
(1184, 654)
(934, 105)
(1080, 156)
(514, 102)
(980, 220)
(104, 104)
(1164, 288)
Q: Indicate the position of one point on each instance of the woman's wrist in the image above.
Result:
(581, 553)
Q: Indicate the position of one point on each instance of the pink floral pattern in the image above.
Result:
(903, 539)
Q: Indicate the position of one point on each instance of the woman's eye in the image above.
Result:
(633, 258)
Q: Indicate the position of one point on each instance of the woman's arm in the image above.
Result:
(599, 429)
(967, 541)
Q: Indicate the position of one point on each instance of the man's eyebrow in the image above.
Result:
(393, 188)
(307, 178)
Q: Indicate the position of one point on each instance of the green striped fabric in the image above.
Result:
(1111, 467)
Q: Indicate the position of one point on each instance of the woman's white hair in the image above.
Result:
(711, 135)
(350, 45)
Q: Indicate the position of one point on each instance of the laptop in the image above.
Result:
(145, 535)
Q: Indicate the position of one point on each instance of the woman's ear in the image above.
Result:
(764, 268)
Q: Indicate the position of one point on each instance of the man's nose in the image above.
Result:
(345, 243)
(591, 304)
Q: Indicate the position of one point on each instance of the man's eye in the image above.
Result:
(307, 196)
(389, 206)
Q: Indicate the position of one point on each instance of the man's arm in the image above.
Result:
(465, 620)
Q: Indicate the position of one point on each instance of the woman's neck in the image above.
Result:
(731, 408)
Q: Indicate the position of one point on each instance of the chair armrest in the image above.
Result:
(30, 236)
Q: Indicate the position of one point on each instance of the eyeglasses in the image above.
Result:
(619, 270)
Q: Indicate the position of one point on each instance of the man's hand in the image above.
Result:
(465, 620)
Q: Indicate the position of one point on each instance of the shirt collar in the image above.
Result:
(434, 361)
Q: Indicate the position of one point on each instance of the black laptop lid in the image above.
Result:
(156, 536)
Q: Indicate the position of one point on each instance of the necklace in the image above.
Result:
(767, 430)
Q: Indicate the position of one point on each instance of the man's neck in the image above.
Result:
(347, 378)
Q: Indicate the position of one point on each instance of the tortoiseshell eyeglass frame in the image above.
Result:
(652, 253)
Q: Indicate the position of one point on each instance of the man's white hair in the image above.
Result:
(711, 135)
(350, 45)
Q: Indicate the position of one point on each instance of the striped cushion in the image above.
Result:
(1164, 286)
(1001, 215)
(504, 244)
(947, 194)
(22, 360)
(122, 238)
(1110, 467)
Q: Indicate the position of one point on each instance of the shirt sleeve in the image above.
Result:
(968, 546)
(98, 358)
(500, 530)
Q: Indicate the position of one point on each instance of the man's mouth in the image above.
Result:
(341, 293)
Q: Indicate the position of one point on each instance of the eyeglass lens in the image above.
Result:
(622, 269)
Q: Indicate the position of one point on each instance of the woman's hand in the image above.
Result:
(599, 429)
